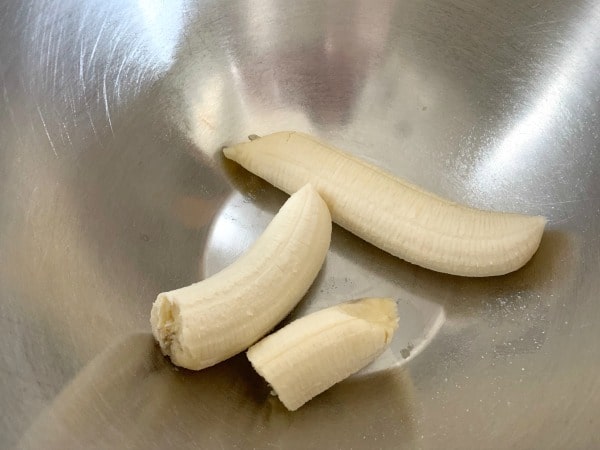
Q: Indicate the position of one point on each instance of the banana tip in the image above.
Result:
(229, 152)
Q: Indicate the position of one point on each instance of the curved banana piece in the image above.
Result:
(313, 353)
(391, 213)
(207, 322)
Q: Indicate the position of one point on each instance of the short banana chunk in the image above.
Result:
(313, 353)
(207, 322)
(391, 213)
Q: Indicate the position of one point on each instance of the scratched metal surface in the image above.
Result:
(112, 189)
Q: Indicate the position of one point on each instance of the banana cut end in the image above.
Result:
(166, 322)
(380, 312)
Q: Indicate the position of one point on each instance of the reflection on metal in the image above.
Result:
(551, 104)
(163, 26)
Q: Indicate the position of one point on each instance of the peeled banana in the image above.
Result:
(207, 322)
(313, 353)
(392, 214)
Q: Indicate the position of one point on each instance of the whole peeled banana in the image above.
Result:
(391, 213)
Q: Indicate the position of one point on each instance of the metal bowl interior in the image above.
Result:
(113, 189)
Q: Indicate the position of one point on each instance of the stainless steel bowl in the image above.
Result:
(113, 188)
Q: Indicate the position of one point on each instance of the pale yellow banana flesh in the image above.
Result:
(391, 213)
(313, 353)
(207, 322)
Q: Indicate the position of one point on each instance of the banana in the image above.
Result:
(207, 322)
(392, 214)
(313, 353)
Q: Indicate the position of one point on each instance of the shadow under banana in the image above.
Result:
(130, 396)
